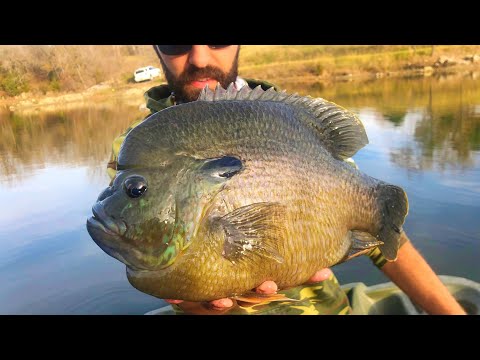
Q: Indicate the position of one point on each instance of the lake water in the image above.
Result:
(424, 136)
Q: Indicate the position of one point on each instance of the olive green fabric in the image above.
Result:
(322, 298)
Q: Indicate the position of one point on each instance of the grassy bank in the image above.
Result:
(328, 63)
(280, 64)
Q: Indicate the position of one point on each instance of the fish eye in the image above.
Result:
(135, 186)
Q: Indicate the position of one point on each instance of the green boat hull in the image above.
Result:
(388, 299)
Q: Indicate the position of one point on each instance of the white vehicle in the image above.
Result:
(146, 73)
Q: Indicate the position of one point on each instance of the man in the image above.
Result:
(188, 69)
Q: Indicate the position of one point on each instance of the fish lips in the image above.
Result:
(108, 233)
(104, 238)
(105, 222)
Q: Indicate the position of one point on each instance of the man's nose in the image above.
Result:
(199, 56)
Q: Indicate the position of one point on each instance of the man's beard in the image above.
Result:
(192, 73)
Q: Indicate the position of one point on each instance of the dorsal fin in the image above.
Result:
(341, 130)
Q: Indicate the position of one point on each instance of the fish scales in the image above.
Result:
(243, 191)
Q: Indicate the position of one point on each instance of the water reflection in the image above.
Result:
(443, 113)
(446, 124)
(424, 136)
(52, 167)
(71, 137)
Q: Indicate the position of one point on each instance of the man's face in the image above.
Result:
(187, 74)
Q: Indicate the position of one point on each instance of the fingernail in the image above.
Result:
(222, 303)
(321, 275)
(268, 287)
(171, 301)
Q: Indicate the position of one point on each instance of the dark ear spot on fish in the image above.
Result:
(224, 167)
(135, 186)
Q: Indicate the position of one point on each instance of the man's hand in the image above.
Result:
(221, 306)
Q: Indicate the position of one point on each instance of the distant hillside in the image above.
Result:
(50, 69)
(60, 68)
(280, 63)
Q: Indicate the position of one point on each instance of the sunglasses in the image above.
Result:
(174, 50)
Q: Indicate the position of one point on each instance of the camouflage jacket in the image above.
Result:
(322, 298)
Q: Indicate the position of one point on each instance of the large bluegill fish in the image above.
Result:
(216, 196)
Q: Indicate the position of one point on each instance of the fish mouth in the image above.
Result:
(109, 233)
(106, 223)
(111, 236)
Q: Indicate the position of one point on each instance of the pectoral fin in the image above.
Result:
(252, 231)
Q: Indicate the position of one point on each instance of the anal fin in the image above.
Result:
(362, 242)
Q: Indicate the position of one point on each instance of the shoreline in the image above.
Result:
(133, 93)
(130, 93)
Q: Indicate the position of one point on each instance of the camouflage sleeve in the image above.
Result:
(117, 143)
(322, 298)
